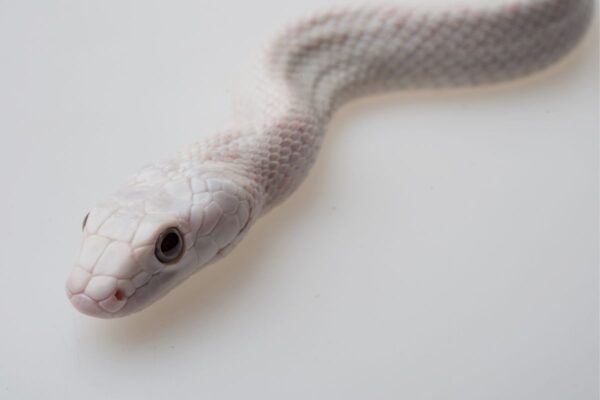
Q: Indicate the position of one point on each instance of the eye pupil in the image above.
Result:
(169, 243)
(169, 246)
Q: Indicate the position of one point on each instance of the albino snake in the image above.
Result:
(176, 216)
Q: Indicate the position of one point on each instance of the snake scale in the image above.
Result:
(178, 215)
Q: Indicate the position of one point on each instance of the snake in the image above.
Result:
(175, 216)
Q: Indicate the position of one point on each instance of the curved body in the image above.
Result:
(212, 192)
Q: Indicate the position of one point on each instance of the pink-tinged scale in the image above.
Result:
(98, 216)
(227, 202)
(196, 216)
(117, 260)
(91, 249)
(212, 214)
(202, 198)
(101, 287)
(120, 226)
(226, 230)
(163, 203)
(243, 212)
(126, 285)
(141, 279)
(145, 256)
(229, 187)
(206, 248)
(113, 303)
(78, 280)
(140, 252)
(87, 305)
(146, 231)
(189, 240)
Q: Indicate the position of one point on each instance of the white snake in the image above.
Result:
(176, 216)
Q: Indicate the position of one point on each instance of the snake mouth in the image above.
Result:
(88, 306)
(103, 308)
(113, 303)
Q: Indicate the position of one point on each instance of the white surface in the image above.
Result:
(445, 245)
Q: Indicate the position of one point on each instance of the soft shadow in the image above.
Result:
(219, 283)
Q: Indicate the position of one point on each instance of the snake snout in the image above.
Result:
(87, 305)
(102, 309)
(98, 296)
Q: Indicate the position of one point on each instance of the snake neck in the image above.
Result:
(320, 63)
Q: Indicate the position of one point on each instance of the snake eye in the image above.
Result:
(85, 221)
(169, 246)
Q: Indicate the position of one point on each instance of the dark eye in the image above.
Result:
(85, 221)
(169, 246)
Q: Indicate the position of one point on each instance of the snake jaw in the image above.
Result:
(88, 306)
(102, 296)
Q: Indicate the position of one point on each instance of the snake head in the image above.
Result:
(152, 235)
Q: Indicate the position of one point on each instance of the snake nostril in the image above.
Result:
(119, 294)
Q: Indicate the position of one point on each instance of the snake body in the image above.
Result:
(178, 215)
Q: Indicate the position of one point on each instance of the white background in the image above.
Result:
(445, 246)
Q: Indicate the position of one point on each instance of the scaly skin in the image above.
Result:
(215, 190)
